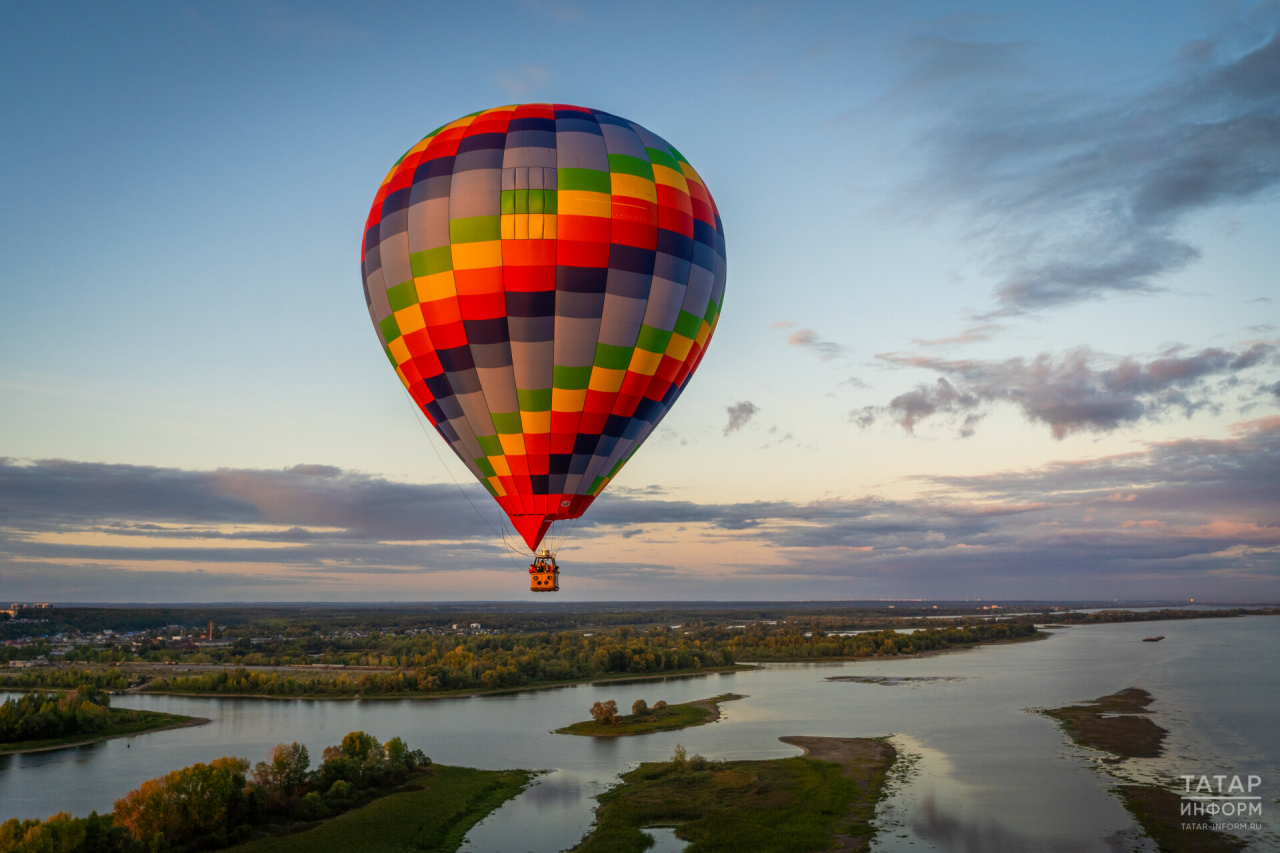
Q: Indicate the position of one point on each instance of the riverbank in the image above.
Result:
(824, 800)
(433, 812)
(664, 719)
(1117, 723)
(124, 722)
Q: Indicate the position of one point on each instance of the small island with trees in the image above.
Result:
(645, 718)
(43, 720)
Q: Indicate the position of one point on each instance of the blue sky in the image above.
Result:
(993, 270)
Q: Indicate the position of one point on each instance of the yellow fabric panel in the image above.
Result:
(437, 286)
(535, 422)
(477, 256)
(536, 226)
(606, 380)
(582, 203)
(522, 226)
(508, 224)
(512, 445)
(497, 486)
(500, 466)
(565, 400)
(679, 347)
(633, 186)
(399, 351)
(704, 333)
(691, 174)
(410, 319)
(548, 226)
(670, 178)
(644, 362)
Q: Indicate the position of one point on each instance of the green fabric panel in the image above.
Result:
(662, 158)
(391, 358)
(583, 179)
(617, 468)
(390, 328)
(490, 444)
(687, 324)
(595, 484)
(489, 486)
(570, 378)
(534, 400)
(402, 295)
(508, 201)
(486, 468)
(548, 201)
(522, 201)
(653, 340)
(712, 310)
(627, 165)
(613, 358)
(431, 261)
(535, 201)
(507, 423)
(475, 229)
(677, 154)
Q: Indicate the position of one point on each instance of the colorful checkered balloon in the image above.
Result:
(545, 279)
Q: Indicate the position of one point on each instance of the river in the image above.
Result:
(980, 772)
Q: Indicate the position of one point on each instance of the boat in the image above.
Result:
(1153, 639)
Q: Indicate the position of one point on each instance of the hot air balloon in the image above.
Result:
(545, 279)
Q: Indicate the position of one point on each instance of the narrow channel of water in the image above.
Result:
(979, 771)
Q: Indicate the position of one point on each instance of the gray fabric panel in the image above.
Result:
(521, 176)
(476, 193)
(620, 323)
(532, 156)
(437, 187)
(544, 139)
(621, 140)
(585, 305)
(418, 219)
(634, 285)
(483, 159)
(581, 151)
(549, 179)
(491, 355)
(451, 407)
(437, 228)
(665, 299)
(393, 223)
(535, 178)
(499, 388)
(508, 179)
(379, 307)
(695, 298)
(532, 363)
(476, 410)
(649, 140)
(576, 341)
(670, 267)
(464, 382)
(530, 329)
(395, 259)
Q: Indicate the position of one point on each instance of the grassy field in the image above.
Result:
(1159, 812)
(664, 719)
(432, 814)
(787, 805)
(123, 723)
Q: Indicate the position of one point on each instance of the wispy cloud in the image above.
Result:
(1081, 391)
(808, 339)
(1194, 514)
(740, 414)
(521, 82)
(1079, 195)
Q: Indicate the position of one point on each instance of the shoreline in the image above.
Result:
(190, 722)
(711, 706)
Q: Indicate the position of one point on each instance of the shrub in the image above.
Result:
(605, 712)
(312, 807)
(660, 704)
(697, 762)
(679, 756)
(639, 707)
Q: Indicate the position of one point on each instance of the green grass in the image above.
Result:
(433, 813)
(671, 717)
(123, 721)
(787, 805)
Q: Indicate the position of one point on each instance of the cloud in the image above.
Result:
(518, 84)
(1081, 391)
(740, 414)
(1193, 517)
(809, 339)
(1078, 195)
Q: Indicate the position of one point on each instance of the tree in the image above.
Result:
(605, 712)
(286, 770)
(186, 803)
(660, 704)
(678, 757)
(639, 707)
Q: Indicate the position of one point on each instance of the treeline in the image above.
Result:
(65, 679)
(424, 666)
(759, 645)
(222, 803)
(1108, 616)
(40, 715)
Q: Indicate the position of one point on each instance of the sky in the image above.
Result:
(1001, 318)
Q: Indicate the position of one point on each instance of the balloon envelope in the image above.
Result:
(545, 279)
